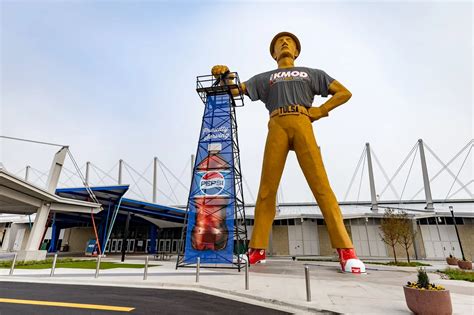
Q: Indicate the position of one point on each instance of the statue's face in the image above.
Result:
(285, 46)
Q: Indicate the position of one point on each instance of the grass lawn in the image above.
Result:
(399, 264)
(458, 274)
(70, 263)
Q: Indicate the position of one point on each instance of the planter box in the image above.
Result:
(425, 302)
(452, 261)
(466, 265)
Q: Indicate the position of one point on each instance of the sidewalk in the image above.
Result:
(278, 283)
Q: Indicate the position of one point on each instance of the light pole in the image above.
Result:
(457, 233)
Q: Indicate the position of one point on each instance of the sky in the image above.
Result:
(116, 80)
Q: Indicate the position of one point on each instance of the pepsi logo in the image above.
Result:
(212, 183)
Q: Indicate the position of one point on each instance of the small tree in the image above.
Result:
(390, 228)
(407, 235)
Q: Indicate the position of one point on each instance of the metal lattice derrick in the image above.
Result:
(214, 118)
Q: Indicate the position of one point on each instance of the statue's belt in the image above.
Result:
(290, 110)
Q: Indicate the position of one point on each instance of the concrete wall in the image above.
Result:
(401, 253)
(280, 240)
(26, 236)
(419, 242)
(77, 238)
(466, 234)
(325, 248)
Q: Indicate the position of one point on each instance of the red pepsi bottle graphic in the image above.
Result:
(210, 230)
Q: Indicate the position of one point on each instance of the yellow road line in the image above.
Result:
(73, 305)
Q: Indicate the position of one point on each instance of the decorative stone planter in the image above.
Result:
(466, 265)
(453, 261)
(424, 302)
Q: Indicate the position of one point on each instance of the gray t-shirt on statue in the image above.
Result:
(289, 86)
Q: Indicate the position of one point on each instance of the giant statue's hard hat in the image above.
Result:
(293, 36)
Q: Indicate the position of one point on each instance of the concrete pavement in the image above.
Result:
(279, 283)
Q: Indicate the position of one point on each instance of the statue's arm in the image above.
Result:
(340, 95)
(221, 69)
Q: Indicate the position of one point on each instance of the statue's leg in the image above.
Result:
(310, 160)
(274, 157)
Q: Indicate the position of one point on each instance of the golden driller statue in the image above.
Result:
(288, 93)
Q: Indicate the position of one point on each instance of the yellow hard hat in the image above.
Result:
(293, 36)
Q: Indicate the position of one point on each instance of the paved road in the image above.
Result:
(143, 301)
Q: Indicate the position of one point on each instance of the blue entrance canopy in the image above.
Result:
(113, 195)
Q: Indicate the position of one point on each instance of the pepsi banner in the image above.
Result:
(211, 204)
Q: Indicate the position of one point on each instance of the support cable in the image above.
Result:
(83, 180)
(33, 141)
(399, 168)
(20, 171)
(166, 178)
(181, 175)
(136, 184)
(249, 190)
(39, 175)
(282, 195)
(112, 221)
(146, 169)
(355, 173)
(408, 176)
(139, 175)
(91, 194)
(105, 174)
(361, 177)
(146, 180)
(465, 159)
(385, 175)
(177, 179)
(445, 166)
(101, 180)
(467, 184)
(69, 177)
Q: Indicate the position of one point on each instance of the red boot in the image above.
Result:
(349, 261)
(256, 256)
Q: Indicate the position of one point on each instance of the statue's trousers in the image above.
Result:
(294, 131)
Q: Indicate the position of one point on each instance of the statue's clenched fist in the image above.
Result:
(218, 70)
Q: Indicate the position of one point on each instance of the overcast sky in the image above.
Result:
(116, 79)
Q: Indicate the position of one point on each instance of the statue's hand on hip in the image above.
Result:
(316, 113)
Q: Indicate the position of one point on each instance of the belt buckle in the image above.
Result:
(288, 110)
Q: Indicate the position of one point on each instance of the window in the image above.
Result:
(459, 221)
(423, 221)
(432, 221)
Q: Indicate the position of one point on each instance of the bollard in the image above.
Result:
(13, 264)
(97, 268)
(53, 267)
(198, 268)
(308, 284)
(246, 275)
(145, 271)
